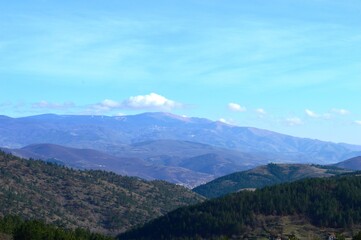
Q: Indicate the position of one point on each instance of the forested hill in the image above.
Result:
(305, 208)
(100, 201)
(262, 176)
(15, 228)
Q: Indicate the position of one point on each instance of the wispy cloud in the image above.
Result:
(261, 111)
(235, 107)
(311, 114)
(6, 104)
(358, 122)
(107, 103)
(328, 115)
(50, 105)
(340, 111)
(294, 121)
(105, 106)
(128, 47)
(223, 120)
(227, 121)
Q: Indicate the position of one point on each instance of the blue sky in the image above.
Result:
(285, 65)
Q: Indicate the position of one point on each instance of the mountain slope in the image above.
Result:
(129, 166)
(105, 133)
(173, 152)
(262, 176)
(306, 209)
(101, 201)
(194, 156)
(353, 163)
(180, 162)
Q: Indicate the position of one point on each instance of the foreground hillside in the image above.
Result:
(307, 209)
(262, 176)
(100, 201)
(15, 228)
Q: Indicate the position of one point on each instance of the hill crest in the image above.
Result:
(262, 176)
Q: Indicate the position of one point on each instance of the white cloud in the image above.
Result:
(261, 111)
(104, 106)
(340, 111)
(311, 113)
(50, 105)
(236, 107)
(358, 122)
(294, 121)
(150, 101)
(222, 120)
(327, 115)
(110, 103)
(227, 121)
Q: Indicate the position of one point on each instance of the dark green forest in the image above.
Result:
(325, 203)
(262, 176)
(19, 229)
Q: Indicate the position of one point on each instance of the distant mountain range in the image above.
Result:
(95, 200)
(109, 133)
(188, 151)
(262, 176)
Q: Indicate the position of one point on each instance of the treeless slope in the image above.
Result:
(353, 163)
